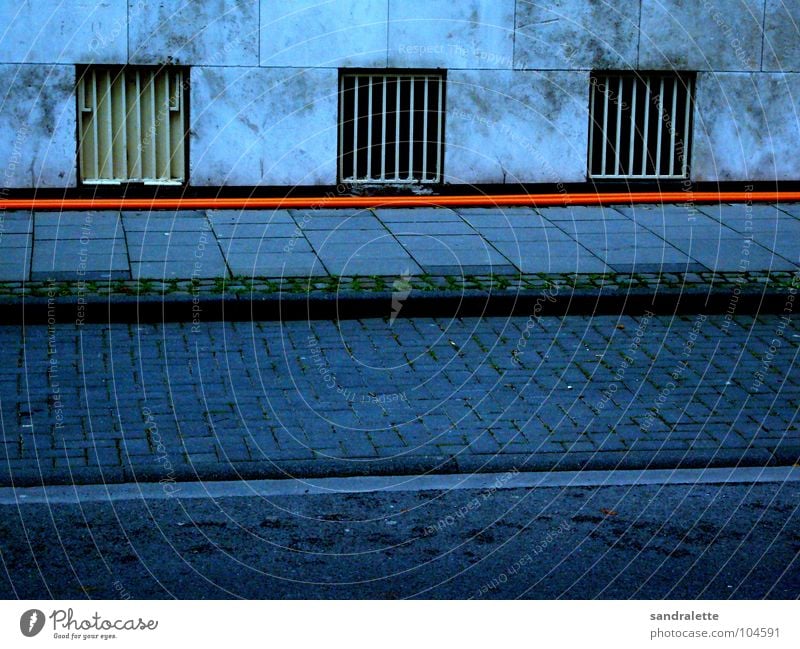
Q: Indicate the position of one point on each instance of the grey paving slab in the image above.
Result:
(338, 223)
(366, 265)
(15, 222)
(549, 233)
(600, 243)
(96, 272)
(444, 242)
(183, 254)
(729, 256)
(249, 217)
(320, 239)
(160, 238)
(514, 218)
(611, 227)
(786, 246)
(470, 389)
(430, 228)
(44, 261)
(342, 259)
(579, 213)
(77, 219)
(180, 268)
(295, 264)
(551, 257)
(69, 253)
(418, 215)
(165, 221)
(449, 259)
(15, 247)
(17, 271)
(792, 209)
(650, 260)
(64, 232)
(254, 230)
(233, 247)
(328, 212)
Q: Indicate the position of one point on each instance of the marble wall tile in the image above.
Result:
(263, 126)
(320, 33)
(212, 32)
(445, 34)
(576, 34)
(508, 127)
(746, 127)
(37, 120)
(782, 36)
(722, 35)
(78, 31)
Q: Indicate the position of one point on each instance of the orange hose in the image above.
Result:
(534, 200)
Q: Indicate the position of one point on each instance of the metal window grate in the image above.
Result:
(640, 125)
(391, 128)
(131, 125)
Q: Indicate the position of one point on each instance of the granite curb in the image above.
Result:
(349, 305)
(413, 465)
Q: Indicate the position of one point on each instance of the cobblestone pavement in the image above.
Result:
(161, 402)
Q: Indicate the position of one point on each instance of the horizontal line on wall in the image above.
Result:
(364, 202)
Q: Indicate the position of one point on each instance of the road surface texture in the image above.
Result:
(678, 541)
(123, 403)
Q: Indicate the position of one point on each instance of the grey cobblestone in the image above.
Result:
(233, 394)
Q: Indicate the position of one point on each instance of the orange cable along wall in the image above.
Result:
(502, 200)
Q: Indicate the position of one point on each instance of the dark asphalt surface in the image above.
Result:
(706, 541)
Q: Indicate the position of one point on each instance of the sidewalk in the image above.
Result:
(265, 251)
(301, 396)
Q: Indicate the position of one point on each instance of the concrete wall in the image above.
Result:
(264, 79)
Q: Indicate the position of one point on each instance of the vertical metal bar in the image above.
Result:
(619, 127)
(673, 126)
(122, 131)
(397, 114)
(355, 128)
(411, 132)
(425, 133)
(646, 137)
(660, 127)
(162, 101)
(369, 130)
(686, 127)
(108, 162)
(164, 135)
(153, 125)
(605, 127)
(180, 148)
(139, 145)
(592, 124)
(383, 129)
(95, 130)
(439, 134)
(631, 149)
(341, 127)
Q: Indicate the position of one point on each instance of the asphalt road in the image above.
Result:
(701, 541)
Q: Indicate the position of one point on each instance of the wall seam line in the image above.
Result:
(763, 36)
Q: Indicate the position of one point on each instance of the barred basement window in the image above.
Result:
(391, 127)
(640, 125)
(131, 125)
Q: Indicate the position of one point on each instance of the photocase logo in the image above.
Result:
(31, 622)
(402, 289)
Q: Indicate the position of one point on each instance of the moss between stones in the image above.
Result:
(238, 286)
